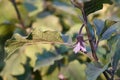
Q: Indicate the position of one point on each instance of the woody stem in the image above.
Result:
(89, 36)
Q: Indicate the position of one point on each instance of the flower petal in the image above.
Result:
(61, 76)
(77, 48)
(83, 48)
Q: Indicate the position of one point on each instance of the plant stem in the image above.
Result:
(18, 13)
(108, 71)
(106, 76)
(113, 72)
(89, 36)
(81, 29)
(2, 51)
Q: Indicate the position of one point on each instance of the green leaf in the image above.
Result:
(48, 20)
(7, 13)
(14, 44)
(46, 35)
(110, 31)
(61, 49)
(15, 59)
(108, 24)
(94, 70)
(14, 65)
(74, 71)
(102, 53)
(117, 2)
(6, 31)
(33, 7)
(46, 59)
(112, 42)
(53, 75)
(94, 5)
(116, 57)
(38, 36)
(90, 6)
(99, 25)
(67, 39)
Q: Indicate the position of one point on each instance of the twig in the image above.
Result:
(18, 13)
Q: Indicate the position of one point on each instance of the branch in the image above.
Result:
(18, 13)
(89, 36)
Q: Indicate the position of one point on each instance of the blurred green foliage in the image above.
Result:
(43, 49)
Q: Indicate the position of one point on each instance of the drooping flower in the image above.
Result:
(80, 46)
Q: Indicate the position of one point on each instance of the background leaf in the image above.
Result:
(116, 57)
(94, 5)
(4, 10)
(74, 71)
(99, 24)
(48, 58)
(14, 66)
(94, 70)
(110, 30)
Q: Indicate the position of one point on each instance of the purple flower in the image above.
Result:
(79, 46)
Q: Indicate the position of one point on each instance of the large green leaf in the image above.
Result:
(18, 45)
(18, 51)
(14, 60)
(94, 70)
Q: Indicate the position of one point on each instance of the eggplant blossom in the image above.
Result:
(79, 46)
